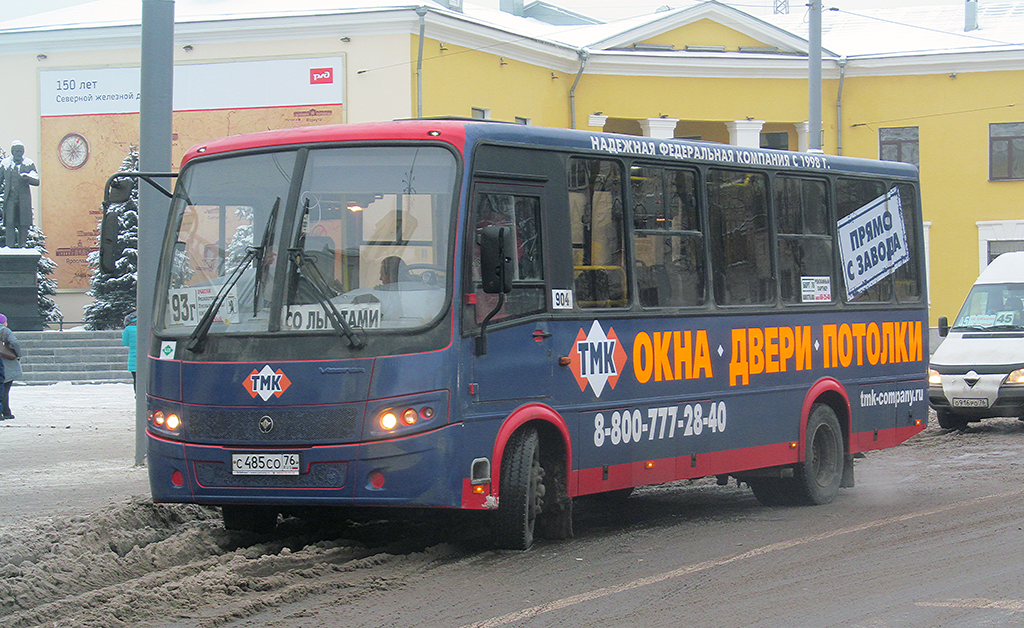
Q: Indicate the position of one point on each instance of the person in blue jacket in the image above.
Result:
(129, 339)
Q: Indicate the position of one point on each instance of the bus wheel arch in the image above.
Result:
(825, 463)
(532, 431)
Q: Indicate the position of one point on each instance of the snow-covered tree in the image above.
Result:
(114, 293)
(46, 286)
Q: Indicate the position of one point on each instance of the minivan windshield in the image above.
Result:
(366, 237)
(992, 307)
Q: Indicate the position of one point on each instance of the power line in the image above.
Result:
(935, 115)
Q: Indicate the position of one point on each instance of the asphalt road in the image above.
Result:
(930, 536)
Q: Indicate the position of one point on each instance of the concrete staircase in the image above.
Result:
(76, 356)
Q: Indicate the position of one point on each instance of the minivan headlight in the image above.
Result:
(1015, 377)
(934, 379)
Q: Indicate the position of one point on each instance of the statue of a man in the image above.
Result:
(17, 172)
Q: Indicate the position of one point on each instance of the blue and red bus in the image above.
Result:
(486, 316)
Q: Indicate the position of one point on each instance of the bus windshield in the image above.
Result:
(992, 307)
(366, 236)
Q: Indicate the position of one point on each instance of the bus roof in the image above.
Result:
(462, 132)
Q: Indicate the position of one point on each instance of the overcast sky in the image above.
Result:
(600, 9)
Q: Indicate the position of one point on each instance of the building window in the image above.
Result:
(478, 113)
(996, 237)
(521, 120)
(998, 247)
(1006, 151)
(899, 144)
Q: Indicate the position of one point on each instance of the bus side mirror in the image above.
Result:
(496, 270)
(119, 191)
(110, 251)
(943, 326)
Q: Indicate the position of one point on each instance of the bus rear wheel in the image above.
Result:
(521, 491)
(260, 519)
(821, 473)
(817, 479)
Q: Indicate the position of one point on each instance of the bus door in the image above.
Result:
(519, 359)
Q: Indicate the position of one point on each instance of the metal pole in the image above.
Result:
(814, 76)
(422, 12)
(157, 74)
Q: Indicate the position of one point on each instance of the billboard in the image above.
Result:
(90, 122)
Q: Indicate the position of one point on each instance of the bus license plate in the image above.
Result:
(966, 402)
(264, 464)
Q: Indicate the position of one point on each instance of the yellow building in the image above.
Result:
(942, 87)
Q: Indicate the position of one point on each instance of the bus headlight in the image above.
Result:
(164, 420)
(1015, 377)
(934, 379)
(406, 415)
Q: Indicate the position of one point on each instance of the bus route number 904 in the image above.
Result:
(626, 426)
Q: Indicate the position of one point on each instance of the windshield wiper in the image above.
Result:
(262, 255)
(309, 271)
(198, 337)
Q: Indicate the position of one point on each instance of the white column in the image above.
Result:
(802, 129)
(745, 133)
(661, 128)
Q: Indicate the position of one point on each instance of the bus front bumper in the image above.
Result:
(416, 470)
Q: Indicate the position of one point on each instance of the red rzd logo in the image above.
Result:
(320, 76)
(266, 382)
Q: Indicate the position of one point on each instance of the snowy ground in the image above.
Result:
(71, 449)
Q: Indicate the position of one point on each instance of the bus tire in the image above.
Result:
(259, 519)
(817, 479)
(951, 421)
(521, 491)
(819, 476)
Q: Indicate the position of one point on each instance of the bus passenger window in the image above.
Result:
(520, 213)
(805, 240)
(741, 260)
(908, 276)
(667, 237)
(851, 195)
(598, 242)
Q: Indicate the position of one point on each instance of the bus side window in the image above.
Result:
(521, 213)
(804, 237)
(908, 276)
(741, 258)
(598, 242)
(667, 237)
(851, 195)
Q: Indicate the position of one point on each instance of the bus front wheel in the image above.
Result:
(522, 491)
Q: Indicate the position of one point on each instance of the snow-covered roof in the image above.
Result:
(863, 34)
(915, 29)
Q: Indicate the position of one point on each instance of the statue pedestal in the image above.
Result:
(19, 294)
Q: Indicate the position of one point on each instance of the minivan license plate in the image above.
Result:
(264, 464)
(969, 402)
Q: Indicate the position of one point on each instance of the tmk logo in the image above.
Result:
(320, 76)
(597, 358)
(266, 382)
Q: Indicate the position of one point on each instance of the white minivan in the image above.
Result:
(978, 370)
